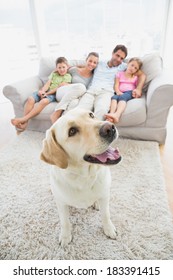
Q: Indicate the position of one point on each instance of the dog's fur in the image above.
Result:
(76, 181)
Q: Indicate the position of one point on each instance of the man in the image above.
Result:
(99, 93)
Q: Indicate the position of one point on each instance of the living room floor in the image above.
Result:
(8, 132)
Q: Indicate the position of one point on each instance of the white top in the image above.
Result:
(104, 76)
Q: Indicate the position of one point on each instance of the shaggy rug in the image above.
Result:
(29, 223)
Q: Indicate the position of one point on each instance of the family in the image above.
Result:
(103, 87)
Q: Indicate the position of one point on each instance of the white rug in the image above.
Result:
(29, 226)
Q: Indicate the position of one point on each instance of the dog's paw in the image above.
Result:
(65, 239)
(110, 231)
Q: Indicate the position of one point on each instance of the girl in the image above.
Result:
(125, 84)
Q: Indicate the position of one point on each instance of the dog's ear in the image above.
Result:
(52, 152)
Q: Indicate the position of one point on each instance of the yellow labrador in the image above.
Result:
(77, 147)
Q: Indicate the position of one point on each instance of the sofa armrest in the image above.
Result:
(159, 99)
(18, 92)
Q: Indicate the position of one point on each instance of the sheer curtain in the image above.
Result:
(18, 51)
(74, 28)
(30, 29)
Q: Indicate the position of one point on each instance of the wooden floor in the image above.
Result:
(7, 132)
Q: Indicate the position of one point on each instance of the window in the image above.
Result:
(18, 52)
(72, 28)
(75, 27)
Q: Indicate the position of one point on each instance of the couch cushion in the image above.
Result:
(47, 65)
(152, 66)
(135, 112)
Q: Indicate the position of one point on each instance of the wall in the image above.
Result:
(168, 45)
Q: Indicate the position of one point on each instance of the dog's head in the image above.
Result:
(79, 137)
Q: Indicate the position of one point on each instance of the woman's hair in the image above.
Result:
(92, 53)
(137, 60)
(61, 59)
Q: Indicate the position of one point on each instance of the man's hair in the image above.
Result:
(61, 59)
(122, 48)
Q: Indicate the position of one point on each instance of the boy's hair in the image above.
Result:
(137, 60)
(122, 48)
(61, 59)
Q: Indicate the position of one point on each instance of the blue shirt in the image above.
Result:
(104, 76)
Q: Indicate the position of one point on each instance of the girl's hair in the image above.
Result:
(137, 60)
(61, 59)
(92, 53)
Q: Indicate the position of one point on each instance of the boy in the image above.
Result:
(59, 77)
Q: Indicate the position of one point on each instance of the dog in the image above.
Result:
(78, 147)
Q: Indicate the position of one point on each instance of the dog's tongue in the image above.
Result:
(111, 154)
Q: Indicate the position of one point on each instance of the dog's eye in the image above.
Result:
(91, 115)
(72, 131)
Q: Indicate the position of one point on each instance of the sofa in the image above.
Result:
(144, 118)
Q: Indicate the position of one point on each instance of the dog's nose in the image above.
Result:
(108, 131)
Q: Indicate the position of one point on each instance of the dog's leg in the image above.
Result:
(65, 234)
(108, 227)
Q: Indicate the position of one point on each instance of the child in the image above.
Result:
(125, 84)
(45, 95)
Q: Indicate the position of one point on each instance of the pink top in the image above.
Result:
(125, 83)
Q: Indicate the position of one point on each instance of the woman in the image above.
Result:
(68, 96)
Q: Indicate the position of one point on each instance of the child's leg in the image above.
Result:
(29, 105)
(120, 109)
(56, 115)
(113, 106)
(122, 102)
(20, 126)
(115, 117)
(39, 106)
(123, 99)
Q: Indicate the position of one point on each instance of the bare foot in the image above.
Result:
(112, 117)
(107, 118)
(20, 126)
(17, 122)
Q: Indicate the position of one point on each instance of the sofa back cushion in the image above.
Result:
(47, 65)
(152, 66)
